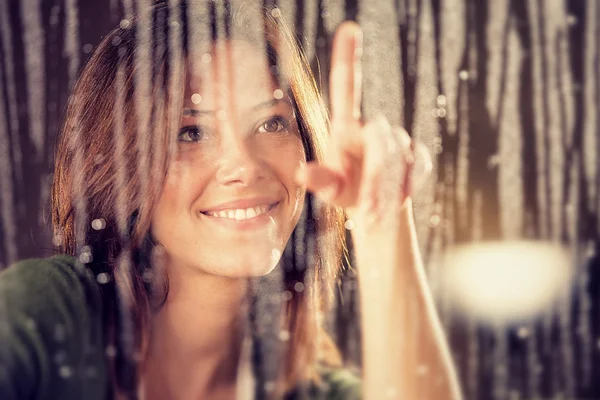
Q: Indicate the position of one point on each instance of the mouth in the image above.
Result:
(241, 214)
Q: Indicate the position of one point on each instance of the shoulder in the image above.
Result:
(50, 314)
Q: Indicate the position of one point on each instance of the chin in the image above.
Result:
(247, 265)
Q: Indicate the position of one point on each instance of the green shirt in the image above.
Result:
(51, 336)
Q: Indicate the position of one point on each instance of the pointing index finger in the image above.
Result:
(345, 83)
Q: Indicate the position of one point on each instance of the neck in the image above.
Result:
(196, 336)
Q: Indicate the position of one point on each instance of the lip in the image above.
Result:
(246, 224)
(242, 204)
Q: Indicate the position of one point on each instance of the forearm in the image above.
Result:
(405, 353)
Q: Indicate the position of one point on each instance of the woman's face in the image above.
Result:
(230, 201)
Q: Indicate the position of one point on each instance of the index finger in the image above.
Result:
(345, 81)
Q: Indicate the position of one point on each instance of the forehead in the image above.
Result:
(234, 68)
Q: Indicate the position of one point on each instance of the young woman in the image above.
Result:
(199, 199)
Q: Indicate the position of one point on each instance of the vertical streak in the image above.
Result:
(510, 144)
(452, 48)
(7, 212)
(498, 20)
(128, 8)
(71, 49)
(9, 71)
(590, 94)
(540, 117)
(425, 128)
(311, 16)
(143, 91)
(382, 85)
(33, 40)
(333, 14)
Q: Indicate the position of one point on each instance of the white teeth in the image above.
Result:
(240, 214)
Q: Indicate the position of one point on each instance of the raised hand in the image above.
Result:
(367, 167)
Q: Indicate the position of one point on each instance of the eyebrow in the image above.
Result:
(191, 112)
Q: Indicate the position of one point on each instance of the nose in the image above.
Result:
(239, 163)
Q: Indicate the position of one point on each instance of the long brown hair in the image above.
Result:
(112, 160)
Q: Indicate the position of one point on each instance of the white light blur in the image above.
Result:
(506, 281)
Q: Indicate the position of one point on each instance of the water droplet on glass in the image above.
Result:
(110, 351)
(274, 70)
(276, 12)
(116, 41)
(284, 336)
(85, 258)
(463, 75)
(206, 58)
(299, 287)
(269, 386)
(278, 94)
(349, 224)
(441, 100)
(434, 220)
(60, 332)
(523, 332)
(98, 224)
(125, 23)
(147, 276)
(196, 98)
(103, 278)
(287, 295)
(87, 48)
(30, 324)
(65, 372)
(60, 357)
(57, 240)
(422, 370)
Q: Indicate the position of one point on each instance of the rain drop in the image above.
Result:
(110, 351)
(463, 75)
(103, 278)
(99, 224)
(65, 372)
(299, 287)
(276, 12)
(196, 98)
(125, 23)
(278, 94)
(60, 333)
(349, 224)
(206, 58)
(284, 336)
(57, 240)
(87, 48)
(523, 332)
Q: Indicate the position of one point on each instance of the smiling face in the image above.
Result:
(230, 201)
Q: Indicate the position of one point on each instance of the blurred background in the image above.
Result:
(504, 94)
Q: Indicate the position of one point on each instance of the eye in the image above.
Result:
(273, 125)
(190, 134)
